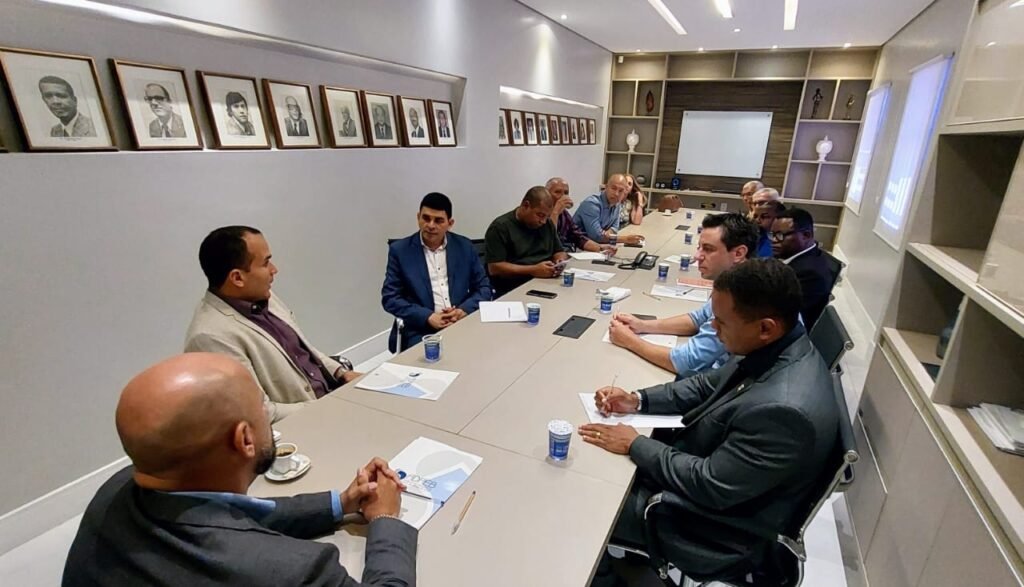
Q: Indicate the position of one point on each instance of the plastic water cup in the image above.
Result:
(613, 239)
(559, 435)
(688, 238)
(684, 262)
(432, 348)
(689, 215)
(606, 303)
(568, 278)
(700, 229)
(533, 314)
(663, 271)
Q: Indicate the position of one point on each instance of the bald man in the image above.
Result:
(747, 193)
(598, 215)
(196, 432)
(523, 244)
(765, 195)
(570, 235)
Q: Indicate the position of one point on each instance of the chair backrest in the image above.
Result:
(829, 336)
(843, 456)
(835, 266)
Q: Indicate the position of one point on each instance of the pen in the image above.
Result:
(462, 515)
(652, 296)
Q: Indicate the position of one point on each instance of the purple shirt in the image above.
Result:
(321, 381)
(571, 236)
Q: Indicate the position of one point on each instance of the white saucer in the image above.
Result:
(304, 465)
(666, 213)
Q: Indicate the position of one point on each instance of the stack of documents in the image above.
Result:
(590, 275)
(432, 472)
(1004, 426)
(502, 312)
(690, 293)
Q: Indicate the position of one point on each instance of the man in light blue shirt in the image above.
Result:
(598, 215)
(727, 239)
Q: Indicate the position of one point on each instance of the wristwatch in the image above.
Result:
(639, 400)
(347, 364)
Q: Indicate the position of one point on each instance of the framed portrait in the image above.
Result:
(515, 127)
(591, 131)
(504, 137)
(159, 106)
(563, 127)
(543, 132)
(574, 136)
(383, 128)
(291, 109)
(442, 123)
(346, 121)
(233, 104)
(553, 129)
(415, 120)
(530, 124)
(582, 124)
(58, 100)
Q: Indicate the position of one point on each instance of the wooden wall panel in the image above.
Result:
(781, 98)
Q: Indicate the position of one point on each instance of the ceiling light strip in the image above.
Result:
(789, 18)
(668, 16)
(724, 8)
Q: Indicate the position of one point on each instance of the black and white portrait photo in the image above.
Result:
(542, 129)
(383, 122)
(414, 121)
(58, 100)
(563, 122)
(160, 111)
(516, 126)
(531, 128)
(292, 108)
(582, 124)
(442, 127)
(344, 111)
(503, 136)
(574, 136)
(234, 107)
(553, 127)
(591, 131)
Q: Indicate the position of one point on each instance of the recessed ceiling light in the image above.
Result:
(668, 16)
(700, 49)
(775, 46)
(990, 44)
(736, 30)
(846, 45)
(723, 8)
(789, 16)
(565, 16)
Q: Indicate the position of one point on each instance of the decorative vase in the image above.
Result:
(649, 102)
(641, 180)
(632, 139)
(824, 147)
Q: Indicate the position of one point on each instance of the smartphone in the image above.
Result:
(563, 262)
(548, 295)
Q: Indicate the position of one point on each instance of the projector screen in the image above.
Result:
(727, 144)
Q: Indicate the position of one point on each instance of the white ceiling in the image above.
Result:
(624, 26)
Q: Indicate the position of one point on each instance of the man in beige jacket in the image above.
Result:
(240, 317)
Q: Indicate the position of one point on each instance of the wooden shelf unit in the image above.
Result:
(806, 181)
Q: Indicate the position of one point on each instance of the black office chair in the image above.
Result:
(835, 268)
(784, 564)
(829, 336)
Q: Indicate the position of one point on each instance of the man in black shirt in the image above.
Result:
(522, 243)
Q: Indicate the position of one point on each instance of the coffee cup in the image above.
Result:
(285, 459)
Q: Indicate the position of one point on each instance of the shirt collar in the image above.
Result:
(789, 260)
(758, 362)
(70, 126)
(444, 243)
(253, 507)
(245, 307)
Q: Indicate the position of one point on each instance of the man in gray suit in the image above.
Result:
(197, 435)
(167, 123)
(59, 97)
(754, 436)
(295, 125)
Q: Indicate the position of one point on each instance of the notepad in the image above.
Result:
(634, 420)
(591, 275)
(432, 472)
(414, 382)
(502, 311)
(689, 293)
(588, 256)
(665, 340)
(695, 282)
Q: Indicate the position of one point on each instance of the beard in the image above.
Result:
(267, 456)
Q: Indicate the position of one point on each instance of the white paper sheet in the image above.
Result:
(665, 340)
(432, 472)
(618, 293)
(634, 420)
(502, 312)
(673, 259)
(414, 382)
(692, 294)
(588, 256)
(589, 276)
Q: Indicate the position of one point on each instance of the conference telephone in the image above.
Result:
(643, 260)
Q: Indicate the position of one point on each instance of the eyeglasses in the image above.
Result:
(155, 99)
(778, 237)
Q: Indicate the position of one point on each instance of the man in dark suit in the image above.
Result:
(755, 434)
(434, 277)
(295, 125)
(443, 130)
(381, 128)
(792, 237)
(416, 131)
(167, 123)
(197, 435)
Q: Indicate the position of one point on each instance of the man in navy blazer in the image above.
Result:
(434, 277)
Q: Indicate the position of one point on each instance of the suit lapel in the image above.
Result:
(418, 274)
(227, 310)
(717, 400)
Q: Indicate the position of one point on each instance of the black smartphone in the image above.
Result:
(548, 295)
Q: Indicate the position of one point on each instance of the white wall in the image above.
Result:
(873, 264)
(99, 250)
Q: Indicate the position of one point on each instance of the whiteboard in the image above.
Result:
(728, 144)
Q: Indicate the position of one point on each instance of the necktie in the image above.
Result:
(66, 135)
(167, 131)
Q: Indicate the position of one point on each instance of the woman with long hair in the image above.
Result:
(632, 210)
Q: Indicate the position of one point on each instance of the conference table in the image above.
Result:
(534, 521)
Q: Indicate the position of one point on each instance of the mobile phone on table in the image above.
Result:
(548, 295)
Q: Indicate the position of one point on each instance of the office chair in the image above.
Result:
(829, 336)
(787, 552)
(835, 268)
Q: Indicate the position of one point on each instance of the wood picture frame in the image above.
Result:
(158, 104)
(236, 124)
(442, 124)
(530, 128)
(414, 120)
(543, 129)
(382, 120)
(293, 114)
(516, 129)
(504, 136)
(553, 132)
(346, 117)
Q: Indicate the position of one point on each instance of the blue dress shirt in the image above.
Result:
(594, 216)
(255, 507)
(703, 351)
(764, 246)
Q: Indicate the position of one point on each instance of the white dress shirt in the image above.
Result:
(69, 128)
(790, 260)
(437, 267)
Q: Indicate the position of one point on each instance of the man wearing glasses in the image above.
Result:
(167, 124)
(793, 243)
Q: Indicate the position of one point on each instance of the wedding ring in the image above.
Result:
(599, 435)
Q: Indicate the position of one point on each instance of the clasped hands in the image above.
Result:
(616, 439)
(375, 491)
(624, 330)
(445, 318)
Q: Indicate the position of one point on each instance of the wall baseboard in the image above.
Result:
(49, 511)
